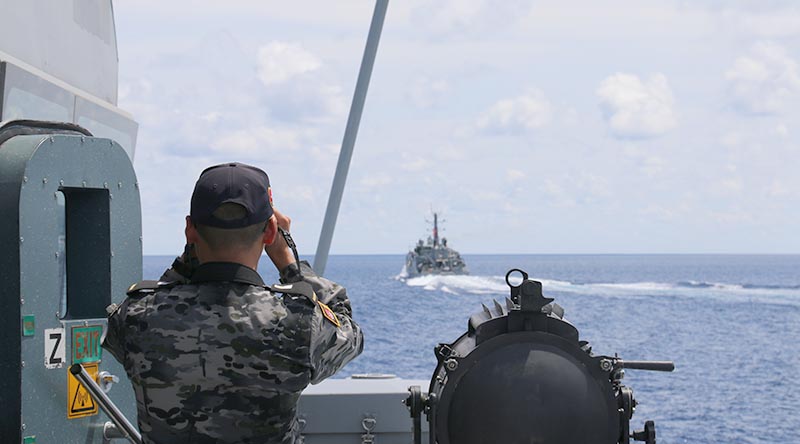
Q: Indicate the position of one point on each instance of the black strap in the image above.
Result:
(290, 243)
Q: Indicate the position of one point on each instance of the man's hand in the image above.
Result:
(278, 251)
(283, 220)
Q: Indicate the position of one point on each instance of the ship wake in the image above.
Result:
(472, 284)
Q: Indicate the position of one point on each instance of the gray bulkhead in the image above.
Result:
(58, 62)
(71, 241)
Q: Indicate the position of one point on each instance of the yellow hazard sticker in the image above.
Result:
(79, 402)
(329, 314)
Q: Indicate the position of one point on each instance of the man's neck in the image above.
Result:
(249, 260)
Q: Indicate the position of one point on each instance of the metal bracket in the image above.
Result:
(415, 405)
(648, 435)
(368, 424)
(301, 425)
(445, 351)
(107, 380)
(626, 404)
(110, 431)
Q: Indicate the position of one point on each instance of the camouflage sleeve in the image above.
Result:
(114, 340)
(330, 293)
(335, 338)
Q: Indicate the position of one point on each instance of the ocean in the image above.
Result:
(731, 324)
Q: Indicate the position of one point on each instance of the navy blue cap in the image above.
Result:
(236, 183)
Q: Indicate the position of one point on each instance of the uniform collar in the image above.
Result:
(226, 272)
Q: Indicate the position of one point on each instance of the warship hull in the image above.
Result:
(436, 262)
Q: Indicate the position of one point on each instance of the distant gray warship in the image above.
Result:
(434, 256)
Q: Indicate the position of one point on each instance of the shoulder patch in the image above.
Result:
(148, 286)
(299, 288)
(329, 314)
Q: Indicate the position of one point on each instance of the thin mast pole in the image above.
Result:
(350, 133)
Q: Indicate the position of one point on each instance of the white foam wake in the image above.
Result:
(471, 284)
(458, 284)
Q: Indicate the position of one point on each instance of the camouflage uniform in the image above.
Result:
(223, 358)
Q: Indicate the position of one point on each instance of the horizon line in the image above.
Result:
(307, 255)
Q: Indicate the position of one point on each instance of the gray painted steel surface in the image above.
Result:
(74, 41)
(28, 93)
(335, 411)
(103, 257)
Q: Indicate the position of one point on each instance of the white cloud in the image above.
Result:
(732, 216)
(458, 13)
(280, 61)
(529, 111)
(731, 139)
(634, 108)
(658, 212)
(575, 189)
(326, 153)
(308, 99)
(765, 81)
(733, 185)
(416, 165)
(469, 16)
(482, 195)
(211, 117)
(777, 189)
(774, 23)
(296, 88)
(425, 92)
(514, 175)
(252, 141)
(647, 163)
(377, 180)
(730, 186)
(449, 153)
(593, 186)
(652, 165)
(558, 196)
(200, 89)
(304, 193)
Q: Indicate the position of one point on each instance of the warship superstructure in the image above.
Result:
(434, 256)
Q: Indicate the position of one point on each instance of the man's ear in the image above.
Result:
(271, 231)
(191, 231)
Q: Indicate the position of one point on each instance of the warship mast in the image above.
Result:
(435, 230)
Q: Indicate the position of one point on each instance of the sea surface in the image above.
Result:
(731, 324)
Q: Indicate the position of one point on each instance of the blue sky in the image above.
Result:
(535, 127)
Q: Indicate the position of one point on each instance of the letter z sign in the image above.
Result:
(54, 355)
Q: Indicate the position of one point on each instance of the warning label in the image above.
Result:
(79, 402)
(86, 344)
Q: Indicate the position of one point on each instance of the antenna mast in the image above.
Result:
(435, 230)
(350, 133)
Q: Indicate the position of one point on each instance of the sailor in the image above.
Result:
(221, 357)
